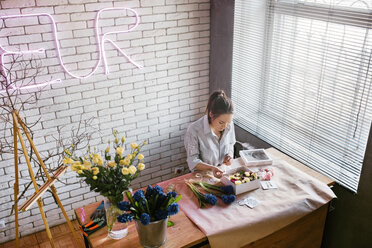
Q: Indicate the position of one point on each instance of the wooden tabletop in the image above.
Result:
(184, 233)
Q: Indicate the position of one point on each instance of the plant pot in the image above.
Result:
(153, 234)
(115, 229)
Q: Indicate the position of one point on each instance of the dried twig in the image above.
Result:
(21, 73)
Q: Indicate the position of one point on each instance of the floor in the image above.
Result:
(61, 234)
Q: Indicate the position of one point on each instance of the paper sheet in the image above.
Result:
(234, 226)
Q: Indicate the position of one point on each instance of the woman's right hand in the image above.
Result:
(227, 160)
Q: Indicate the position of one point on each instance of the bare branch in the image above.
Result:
(20, 73)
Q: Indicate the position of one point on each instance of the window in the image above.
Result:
(301, 80)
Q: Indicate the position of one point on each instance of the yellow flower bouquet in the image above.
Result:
(111, 175)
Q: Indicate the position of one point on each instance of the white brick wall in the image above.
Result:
(156, 103)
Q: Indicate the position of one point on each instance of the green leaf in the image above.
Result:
(133, 209)
(178, 198)
(117, 158)
(170, 223)
(129, 196)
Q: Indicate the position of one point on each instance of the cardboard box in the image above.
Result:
(241, 188)
(255, 157)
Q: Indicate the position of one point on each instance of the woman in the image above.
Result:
(210, 140)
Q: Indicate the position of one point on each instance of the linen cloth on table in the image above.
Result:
(234, 226)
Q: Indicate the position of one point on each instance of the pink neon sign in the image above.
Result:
(101, 40)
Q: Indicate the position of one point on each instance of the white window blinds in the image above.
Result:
(301, 80)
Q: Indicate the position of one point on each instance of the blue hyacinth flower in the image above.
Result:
(149, 191)
(172, 194)
(145, 219)
(124, 206)
(211, 199)
(161, 215)
(161, 198)
(173, 209)
(228, 189)
(158, 189)
(138, 195)
(124, 218)
(227, 199)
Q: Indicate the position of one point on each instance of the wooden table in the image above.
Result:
(305, 232)
(184, 233)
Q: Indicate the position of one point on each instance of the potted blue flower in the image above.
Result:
(150, 211)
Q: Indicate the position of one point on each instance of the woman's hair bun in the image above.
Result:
(219, 104)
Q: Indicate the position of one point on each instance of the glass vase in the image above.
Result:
(115, 229)
(153, 234)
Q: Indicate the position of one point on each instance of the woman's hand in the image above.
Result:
(227, 160)
(217, 172)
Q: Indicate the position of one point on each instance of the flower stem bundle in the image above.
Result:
(203, 199)
(226, 193)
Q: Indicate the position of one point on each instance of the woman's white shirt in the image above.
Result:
(203, 145)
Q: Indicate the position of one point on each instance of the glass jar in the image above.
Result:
(116, 230)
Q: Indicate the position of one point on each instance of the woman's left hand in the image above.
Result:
(227, 160)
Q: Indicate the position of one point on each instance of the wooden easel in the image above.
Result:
(38, 191)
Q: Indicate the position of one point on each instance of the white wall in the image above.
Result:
(156, 103)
